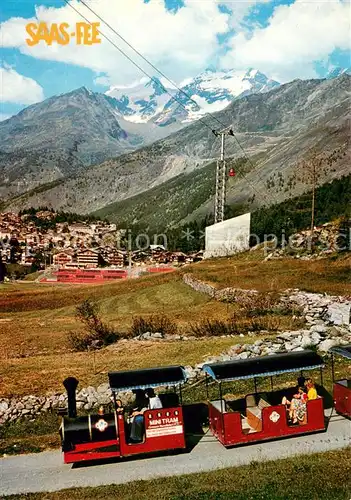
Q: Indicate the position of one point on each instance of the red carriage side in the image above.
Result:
(261, 416)
(342, 388)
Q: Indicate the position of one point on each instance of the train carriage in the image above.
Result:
(101, 436)
(341, 388)
(261, 416)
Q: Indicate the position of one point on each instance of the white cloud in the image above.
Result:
(18, 89)
(297, 35)
(180, 43)
(183, 43)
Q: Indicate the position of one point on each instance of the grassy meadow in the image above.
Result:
(248, 270)
(36, 318)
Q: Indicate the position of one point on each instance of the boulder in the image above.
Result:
(339, 314)
(157, 335)
(103, 388)
(243, 355)
(327, 344)
(3, 406)
(318, 328)
(306, 342)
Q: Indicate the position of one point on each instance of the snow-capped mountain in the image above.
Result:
(211, 91)
(337, 71)
(141, 101)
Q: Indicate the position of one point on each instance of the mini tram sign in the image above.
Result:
(163, 426)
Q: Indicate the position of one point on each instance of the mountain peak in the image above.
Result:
(337, 71)
(156, 84)
(84, 90)
(212, 90)
(252, 72)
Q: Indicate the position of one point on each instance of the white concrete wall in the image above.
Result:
(228, 237)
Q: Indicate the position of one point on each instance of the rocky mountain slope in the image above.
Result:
(61, 136)
(276, 129)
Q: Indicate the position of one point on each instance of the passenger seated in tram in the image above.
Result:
(311, 390)
(287, 399)
(298, 407)
(119, 406)
(154, 400)
(136, 418)
(143, 401)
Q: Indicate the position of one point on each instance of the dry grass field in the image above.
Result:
(248, 270)
(35, 318)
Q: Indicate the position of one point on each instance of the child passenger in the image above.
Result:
(298, 406)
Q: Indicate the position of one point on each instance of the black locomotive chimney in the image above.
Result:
(71, 384)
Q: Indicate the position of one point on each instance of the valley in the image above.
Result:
(277, 130)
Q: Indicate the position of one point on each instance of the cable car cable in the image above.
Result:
(166, 78)
(159, 83)
(149, 62)
(129, 58)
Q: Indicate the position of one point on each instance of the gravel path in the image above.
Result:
(46, 471)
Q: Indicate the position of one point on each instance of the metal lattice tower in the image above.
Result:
(221, 178)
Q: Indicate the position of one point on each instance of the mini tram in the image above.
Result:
(259, 416)
(341, 388)
(101, 436)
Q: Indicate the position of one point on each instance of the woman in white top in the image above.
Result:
(154, 401)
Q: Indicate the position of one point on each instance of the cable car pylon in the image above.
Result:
(220, 194)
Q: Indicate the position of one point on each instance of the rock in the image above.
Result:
(243, 355)
(3, 406)
(315, 337)
(318, 328)
(103, 388)
(225, 358)
(327, 344)
(157, 335)
(339, 314)
(104, 399)
(306, 342)
(176, 337)
(277, 347)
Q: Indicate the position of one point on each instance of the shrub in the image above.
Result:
(237, 324)
(156, 323)
(97, 333)
(208, 328)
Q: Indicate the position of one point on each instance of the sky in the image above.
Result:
(284, 39)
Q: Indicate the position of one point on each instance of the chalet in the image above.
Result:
(62, 259)
(88, 258)
(113, 257)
